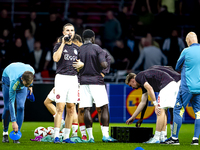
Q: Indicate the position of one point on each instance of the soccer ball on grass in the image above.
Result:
(50, 131)
(40, 131)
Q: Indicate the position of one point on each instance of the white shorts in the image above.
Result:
(66, 88)
(167, 96)
(93, 93)
(51, 95)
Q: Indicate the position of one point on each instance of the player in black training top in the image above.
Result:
(177, 77)
(92, 88)
(151, 81)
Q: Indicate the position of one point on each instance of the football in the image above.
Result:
(40, 131)
(50, 131)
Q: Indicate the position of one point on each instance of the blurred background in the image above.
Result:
(29, 30)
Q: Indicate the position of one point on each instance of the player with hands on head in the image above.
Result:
(151, 81)
(16, 80)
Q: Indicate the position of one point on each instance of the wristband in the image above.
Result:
(155, 103)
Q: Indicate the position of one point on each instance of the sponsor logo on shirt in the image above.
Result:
(68, 57)
(15, 86)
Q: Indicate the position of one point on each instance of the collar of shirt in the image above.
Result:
(195, 44)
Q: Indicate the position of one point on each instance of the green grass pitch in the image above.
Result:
(28, 128)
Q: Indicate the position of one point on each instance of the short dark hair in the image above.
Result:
(88, 34)
(68, 24)
(28, 76)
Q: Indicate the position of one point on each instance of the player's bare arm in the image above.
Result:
(30, 89)
(58, 53)
(139, 122)
(139, 108)
(151, 93)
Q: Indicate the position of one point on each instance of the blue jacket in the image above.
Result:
(14, 72)
(189, 65)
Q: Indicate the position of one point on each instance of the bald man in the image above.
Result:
(189, 65)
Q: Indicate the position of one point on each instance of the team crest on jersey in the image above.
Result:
(58, 96)
(75, 51)
(65, 51)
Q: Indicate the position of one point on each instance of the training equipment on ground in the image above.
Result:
(47, 139)
(15, 135)
(40, 131)
(50, 131)
(37, 138)
(138, 148)
(131, 134)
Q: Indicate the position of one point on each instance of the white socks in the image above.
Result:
(82, 129)
(157, 135)
(195, 138)
(66, 133)
(90, 134)
(102, 129)
(5, 133)
(105, 131)
(56, 132)
(163, 135)
(74, 129)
